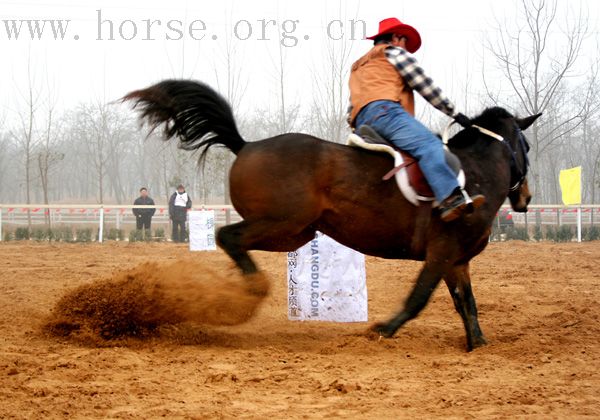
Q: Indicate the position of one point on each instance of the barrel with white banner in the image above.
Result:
(202, 230)
(327, 282)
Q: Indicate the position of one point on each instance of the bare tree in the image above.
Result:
(120, 135)
(102, 130)
(535, 59)
(287, 112)
(284, 122)
(47, 157)
(162, 159)
(231, 83)
(25, 135)
(327, 116)
(5, 157)
(590, 133)
(94, 126)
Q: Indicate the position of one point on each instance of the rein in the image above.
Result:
(446, 133)
(523, 148)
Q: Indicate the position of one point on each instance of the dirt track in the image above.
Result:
(539, 308)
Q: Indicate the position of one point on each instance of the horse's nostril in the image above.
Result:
(528, 200)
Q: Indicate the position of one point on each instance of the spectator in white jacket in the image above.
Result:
(179, 203)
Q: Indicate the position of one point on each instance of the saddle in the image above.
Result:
(406, 170)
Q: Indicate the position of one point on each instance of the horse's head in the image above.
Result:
(519, 194)
(509, 130)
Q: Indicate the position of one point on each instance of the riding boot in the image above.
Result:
(458, 203)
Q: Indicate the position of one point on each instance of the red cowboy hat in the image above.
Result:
(394, 26)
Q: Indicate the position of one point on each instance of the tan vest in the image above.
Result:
(374, 78)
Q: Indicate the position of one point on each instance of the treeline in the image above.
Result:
(97, 153)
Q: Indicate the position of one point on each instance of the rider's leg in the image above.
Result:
(390, 120)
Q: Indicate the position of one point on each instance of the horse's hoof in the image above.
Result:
(383, 330)
(257, 284)
(476, 343)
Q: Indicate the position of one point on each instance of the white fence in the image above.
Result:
(557, 215)
(102, 216)
(121, 216)
(583, 215)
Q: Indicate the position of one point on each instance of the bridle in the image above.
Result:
(517, 175)
(516, 172)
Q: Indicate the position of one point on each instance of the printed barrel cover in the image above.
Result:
(202, 230)
(327, 282)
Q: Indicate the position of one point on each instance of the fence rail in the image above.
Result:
(103, 216)
(121, 216)
(555, 215)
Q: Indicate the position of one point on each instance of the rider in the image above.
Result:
(381, 96)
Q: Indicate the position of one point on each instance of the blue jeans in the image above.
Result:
(391, 121)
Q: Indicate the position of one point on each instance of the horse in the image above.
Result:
(289, 186)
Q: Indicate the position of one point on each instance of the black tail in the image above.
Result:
(191, 111)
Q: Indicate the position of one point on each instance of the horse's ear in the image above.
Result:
(524, 123)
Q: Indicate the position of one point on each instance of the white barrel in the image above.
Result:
(327, 282)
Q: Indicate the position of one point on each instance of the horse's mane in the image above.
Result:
(491, 118)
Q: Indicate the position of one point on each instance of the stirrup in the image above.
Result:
(468, 199)
(470, 204)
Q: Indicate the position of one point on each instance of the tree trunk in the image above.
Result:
(43, 168)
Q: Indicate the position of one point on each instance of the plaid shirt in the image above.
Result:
(415, 77)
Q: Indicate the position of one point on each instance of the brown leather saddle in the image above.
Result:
(415, 175)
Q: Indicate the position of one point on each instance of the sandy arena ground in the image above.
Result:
(539, 308)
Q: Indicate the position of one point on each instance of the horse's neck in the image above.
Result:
(487, 172)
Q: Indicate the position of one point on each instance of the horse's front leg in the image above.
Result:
(427, 281)
(458, 281)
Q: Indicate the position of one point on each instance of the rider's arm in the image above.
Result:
(415, 77)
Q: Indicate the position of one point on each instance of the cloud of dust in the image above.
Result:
(135, 303)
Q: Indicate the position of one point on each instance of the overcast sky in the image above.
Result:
(188, 39)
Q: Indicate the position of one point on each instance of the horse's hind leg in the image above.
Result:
(237, 239)
(458, 281)
(428, 279)
(229, 238)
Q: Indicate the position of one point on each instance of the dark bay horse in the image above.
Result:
(289, 186)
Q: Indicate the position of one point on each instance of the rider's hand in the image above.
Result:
(463, 120)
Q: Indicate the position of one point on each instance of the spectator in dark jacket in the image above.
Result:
(179, 203)
(143, 217)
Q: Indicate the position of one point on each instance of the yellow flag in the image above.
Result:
(570, 184)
